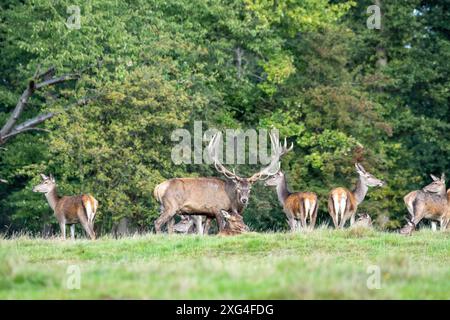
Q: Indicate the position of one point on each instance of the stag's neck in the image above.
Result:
(52, 198)
(282, 191)
(360, 191)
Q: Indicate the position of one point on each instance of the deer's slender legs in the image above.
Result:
(85, 223)
(62, 226)
(352, 219)
(165, 216)
(170, 225)
(313, 216)
(72, 231)
(434, 225)
(292, 224)
(198, 221)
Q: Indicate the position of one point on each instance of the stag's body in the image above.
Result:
(196, 196)
(69, 209)
(343, 203)
(210, 196)
(299, 207)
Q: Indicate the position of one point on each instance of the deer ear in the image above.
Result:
(43, 176)
(225, 214)
(359, 168)
(52, 178)
(434, 177)
(443, 177)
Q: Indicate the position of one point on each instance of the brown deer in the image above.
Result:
(208, 196)
(191, 224)
(409, 200)
(363, 221)
(69, 209)
(343, 203)
(432, 202)
(298, 206)
(234, 224)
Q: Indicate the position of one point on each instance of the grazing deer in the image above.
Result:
(208, 196)
(343, 203)
(234, 224)
(432, 202)
(298, 206)
(69, 209)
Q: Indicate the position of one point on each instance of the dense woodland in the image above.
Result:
(341, 92)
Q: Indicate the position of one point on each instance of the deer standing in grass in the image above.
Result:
(209, 196)
(343, 203)
(69, 209)
(299, 207)
(432, 202)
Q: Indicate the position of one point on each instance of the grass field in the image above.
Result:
(324, 264)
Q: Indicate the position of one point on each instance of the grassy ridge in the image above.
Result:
(325, 264)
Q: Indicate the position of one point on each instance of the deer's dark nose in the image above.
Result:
(244, 200)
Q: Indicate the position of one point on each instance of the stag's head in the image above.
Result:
(47, 185)
(367, 178)
(243, 186)
(437, 186)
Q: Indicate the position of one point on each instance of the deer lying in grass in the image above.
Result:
(432, 202)
(363, 221)
(234, 224)
(69, 209)
(343, 203)
(299, 207)
(208, 196)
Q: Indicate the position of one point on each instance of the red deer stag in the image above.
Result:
(343, 203)
(299, 207)
(69, 209)
(208, 196)
(432, 202)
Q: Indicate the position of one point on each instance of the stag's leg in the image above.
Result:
(72, 231)
(352, 219)
(62, 226)
(167, 214)
(170, 225)
(220, 221)
(85, 223)
(292, 223)
(434, 225)
(198, 221)
(344, 218)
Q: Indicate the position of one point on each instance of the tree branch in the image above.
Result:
(30, 124)
(47, 79)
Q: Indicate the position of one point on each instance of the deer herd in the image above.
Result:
(197, 201)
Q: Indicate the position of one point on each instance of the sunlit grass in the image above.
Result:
(324, 264)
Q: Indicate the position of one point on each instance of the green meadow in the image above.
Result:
(324, 264)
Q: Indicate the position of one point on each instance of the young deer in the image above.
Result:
(343, 203)
(234, 224)
(69, 209)
(298, 206)
(432, 202)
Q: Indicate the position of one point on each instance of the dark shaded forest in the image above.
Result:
(134, 71)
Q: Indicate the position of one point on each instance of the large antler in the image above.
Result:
(212, 151)
(278, 151)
